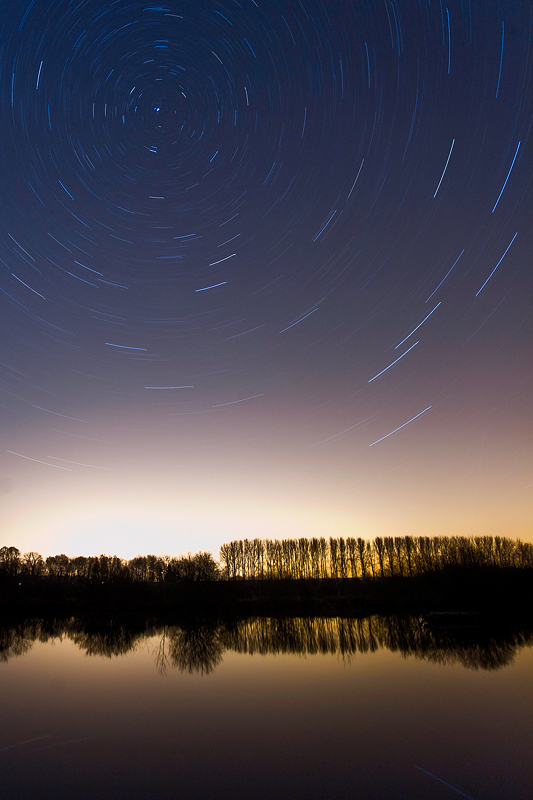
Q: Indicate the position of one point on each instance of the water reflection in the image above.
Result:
(198, 647)
(193, 649)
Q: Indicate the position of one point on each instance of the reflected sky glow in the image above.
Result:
(316, 725)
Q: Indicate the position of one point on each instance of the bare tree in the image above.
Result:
(370, 557)
(342, 557)
(259, 556)
(351, 548)
(388, 543)
(334, 557)
(9, 561)
(409, 548)
(380, 549)
(33, 563)
(399, 547)
(362, 553)
(58, 566)
(226, 561)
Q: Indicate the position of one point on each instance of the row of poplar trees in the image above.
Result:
(359, 558)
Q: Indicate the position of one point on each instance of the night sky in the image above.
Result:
(265, 271)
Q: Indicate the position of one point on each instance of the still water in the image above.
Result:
(325, 709)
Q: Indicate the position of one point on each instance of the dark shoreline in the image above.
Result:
(488, 591)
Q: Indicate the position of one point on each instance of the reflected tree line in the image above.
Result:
(198, 648)
(274, 559)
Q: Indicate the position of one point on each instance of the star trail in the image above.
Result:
(220, 222)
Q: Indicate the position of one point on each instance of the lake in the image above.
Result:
(380, 707)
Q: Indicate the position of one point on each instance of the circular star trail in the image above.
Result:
(260, 255)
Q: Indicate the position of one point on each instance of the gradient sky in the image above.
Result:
(265, 271)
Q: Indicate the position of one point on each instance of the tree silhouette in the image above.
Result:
(9, 561)
(380, 550)
(33, 563)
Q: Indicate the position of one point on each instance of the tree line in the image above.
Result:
(359, 558)
(108, 569)
(275, 559)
